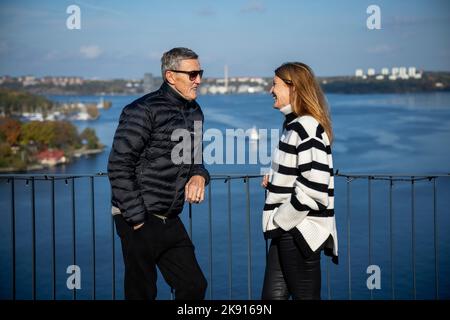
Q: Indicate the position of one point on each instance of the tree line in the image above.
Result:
(21, 142)
(17, 102)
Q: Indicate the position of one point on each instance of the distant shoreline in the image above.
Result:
(82, 152)
(76, 154)
(326, 90)
(423, 81)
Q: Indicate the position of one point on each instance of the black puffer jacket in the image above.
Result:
(143, 178)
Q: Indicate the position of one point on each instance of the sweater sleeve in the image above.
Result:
(311, 186)
(130, 139)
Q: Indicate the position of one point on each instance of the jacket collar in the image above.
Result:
(175, 97)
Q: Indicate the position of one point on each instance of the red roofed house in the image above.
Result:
(51, 157)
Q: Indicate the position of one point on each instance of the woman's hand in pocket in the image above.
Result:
(265, 181)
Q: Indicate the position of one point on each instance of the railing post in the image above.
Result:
(436, 251)
(190, 221)
(113, 256)
(13, 238)
(230, 249)
(33, 233)
(413, 233)
(93, 235)
(74, 236)
(53, 239)
(210, 240)
(328, 280)
(349, 266)
(266, 241)
(369, 179)
(391, 236)
(249, 241)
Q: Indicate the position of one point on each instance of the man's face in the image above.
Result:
(182, 82)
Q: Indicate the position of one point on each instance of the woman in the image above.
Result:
(299, 209)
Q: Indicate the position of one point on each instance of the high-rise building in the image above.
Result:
(412, 71)
(359, 72)
(403, 73)
(226, 78)
(149, 83)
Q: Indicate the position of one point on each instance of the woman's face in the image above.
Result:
(280, 92)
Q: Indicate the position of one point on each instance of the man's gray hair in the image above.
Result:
(171, 59)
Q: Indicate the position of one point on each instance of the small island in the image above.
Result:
(37, 144)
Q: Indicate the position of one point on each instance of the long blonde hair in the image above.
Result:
(306, 95)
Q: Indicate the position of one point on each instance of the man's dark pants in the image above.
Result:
(163, 243)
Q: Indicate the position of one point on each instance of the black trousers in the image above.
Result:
(167, 245)
(289, 273)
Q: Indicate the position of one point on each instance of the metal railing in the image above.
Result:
(393, 178)
(226, 206)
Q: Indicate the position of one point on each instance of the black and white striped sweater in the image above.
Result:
(300, 196)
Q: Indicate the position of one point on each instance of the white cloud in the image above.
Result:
(91, 51)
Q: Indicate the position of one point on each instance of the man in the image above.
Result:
(149, 183)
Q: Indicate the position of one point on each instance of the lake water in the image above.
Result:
(380, 133)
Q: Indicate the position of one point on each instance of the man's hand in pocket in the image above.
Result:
(138, 226)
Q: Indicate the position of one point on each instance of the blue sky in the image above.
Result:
(127, 38)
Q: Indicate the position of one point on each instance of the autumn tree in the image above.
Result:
(9, 130)
(91, 138)
(53, 134)
(66, 134)
(92, 111)
(16, 102)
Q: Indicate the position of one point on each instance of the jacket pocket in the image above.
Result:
(176, 188)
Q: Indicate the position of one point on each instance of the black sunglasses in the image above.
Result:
(192, 74)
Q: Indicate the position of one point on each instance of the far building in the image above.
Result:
(402, 73)
(396, 73)
(51, 157)
(225, 71)
(149, 82)
(412, 71)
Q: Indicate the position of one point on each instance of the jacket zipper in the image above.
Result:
(181, 169)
